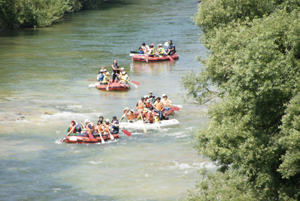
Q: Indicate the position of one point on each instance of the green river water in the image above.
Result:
(43, 79)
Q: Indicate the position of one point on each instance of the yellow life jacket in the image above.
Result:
(124, 78)
(105, 79)
(161, 51)
(152, 51)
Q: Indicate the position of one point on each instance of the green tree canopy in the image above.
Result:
(254, 62)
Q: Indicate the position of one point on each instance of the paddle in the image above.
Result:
(111, 136)
(179, 106)
(93, 85)
(126, 133)
(175, 108)
(91, 80)
(135, 82)
(102, 141)
(171, 59)
(71, 130)
(136, 86)
(144, 127)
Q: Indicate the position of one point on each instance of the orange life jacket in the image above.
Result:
(140, 105)
(130, 115)
(159, 106)
(106, 128)
(88, 130)
(166, 102)
(99, 128)
(72, 129)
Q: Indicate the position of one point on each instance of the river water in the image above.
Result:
(43, 79)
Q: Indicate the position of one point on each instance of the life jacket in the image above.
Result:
(100, 128)
(105, 79)
(72, 129)
(140, 105)
(159, 106)
(130, 115)
(167, 103)
(152, 51)
(150, 117)
(161, 51)
(124, 78)
(88, 130)
(148, 104)
(145, 49)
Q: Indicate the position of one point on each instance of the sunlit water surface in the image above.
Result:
(43, 79)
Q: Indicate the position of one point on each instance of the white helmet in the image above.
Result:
(163, 95)
(122, 68)
(123, 72)
(126, 108)
(106, 120)
(86, 121)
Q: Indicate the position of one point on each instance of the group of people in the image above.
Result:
(151, 51)
(118, 75)
(150, 108)
(102, 127)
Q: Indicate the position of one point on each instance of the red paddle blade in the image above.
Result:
(91, 80)
(135, 82)
(126, 133)
(171, 59)
(91, 137)
(175, 108)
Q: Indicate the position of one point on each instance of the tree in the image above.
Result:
(254, 63)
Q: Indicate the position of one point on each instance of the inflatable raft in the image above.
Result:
(113, 87)
(86, 139)
(157, 125)
(145, 58)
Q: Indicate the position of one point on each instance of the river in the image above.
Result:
(43, 79)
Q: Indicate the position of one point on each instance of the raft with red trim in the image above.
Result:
(116, 86)
(86, 140)
(145, 58)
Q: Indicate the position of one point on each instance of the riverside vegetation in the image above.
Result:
(38, 13)
(253, 135)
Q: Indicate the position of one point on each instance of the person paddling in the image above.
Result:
(145, 48)
(100, 76)
(129, 115)
(71, 130)
(171, 48)
(106, 78)
(166, 101)
(159, 107)
(161, 50)
(89, 126)
(152, 50)
(141, 51)
(100, 127)
(115, 125)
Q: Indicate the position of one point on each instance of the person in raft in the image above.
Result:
(141, 51)
(171, 48)
(161, 50)
(123, 78)
(115, 125)
(89, 126)
(152, 50)
(129, 115)
(116, 70)
(159, 108)
(145, 48)
(100, 127)
(100, 76)
(107, 127)
(106, 78)
(166, 101)
(151, 97)
(73, 129)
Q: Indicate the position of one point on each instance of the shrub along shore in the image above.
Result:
(38, 13)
